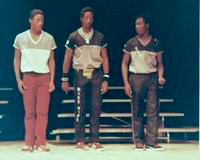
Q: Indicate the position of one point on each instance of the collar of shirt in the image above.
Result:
(86, 36)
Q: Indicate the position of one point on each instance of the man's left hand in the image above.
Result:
(161, 81)
(51, 87)
(104, 87)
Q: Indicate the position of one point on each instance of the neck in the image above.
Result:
(86, 29)
(35, 32)
(146, 35)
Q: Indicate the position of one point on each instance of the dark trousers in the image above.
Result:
(145, 86)
(87, 90)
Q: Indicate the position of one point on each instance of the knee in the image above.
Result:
(138, 119)
(29, 115)
(96, 103)
(42, 114)
(152, 111)
(152, 115)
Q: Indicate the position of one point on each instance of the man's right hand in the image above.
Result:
(65, 86)
(127, 89)
(21, 86)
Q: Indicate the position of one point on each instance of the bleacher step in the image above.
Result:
(164, 114)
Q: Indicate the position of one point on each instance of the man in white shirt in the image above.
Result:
(34, 58)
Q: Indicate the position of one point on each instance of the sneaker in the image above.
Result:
(27, 148)
(155, 147)
(96, 146)
(139, 146)
(80, 146)
(42, 148)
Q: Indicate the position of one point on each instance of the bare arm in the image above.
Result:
(124, 70)
(17, 62)
(124, 67)
(66, 67)
(104, 55)
(67, 60)
(52, 71)
(160, 70)
(52, 66)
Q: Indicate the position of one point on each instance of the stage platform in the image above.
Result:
(172, 151)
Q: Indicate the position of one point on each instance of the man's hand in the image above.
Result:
(161, 81)
(21, 86)
(51, 87)
(65, 86)
(127, 90)
(104, 87)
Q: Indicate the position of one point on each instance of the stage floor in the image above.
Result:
(173, 151)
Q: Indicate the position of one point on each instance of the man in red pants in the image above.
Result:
(34, 58)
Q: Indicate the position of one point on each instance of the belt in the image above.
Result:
(88, 72)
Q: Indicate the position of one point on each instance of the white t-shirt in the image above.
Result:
(34, 54)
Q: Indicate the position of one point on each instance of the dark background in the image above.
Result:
(174, 22)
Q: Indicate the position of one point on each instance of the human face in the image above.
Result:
(140, 26)
(87, 19)
(37, 22)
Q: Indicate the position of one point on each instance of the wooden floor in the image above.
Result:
(172, 151)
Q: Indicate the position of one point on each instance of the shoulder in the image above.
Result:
(73, 35)
(131, 41)
(99, 34)
(47, 35)
(22, 34)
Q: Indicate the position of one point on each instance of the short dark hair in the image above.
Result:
(35, 12)
(86, 9)
(145, 17)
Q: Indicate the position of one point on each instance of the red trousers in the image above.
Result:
(36, 105)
